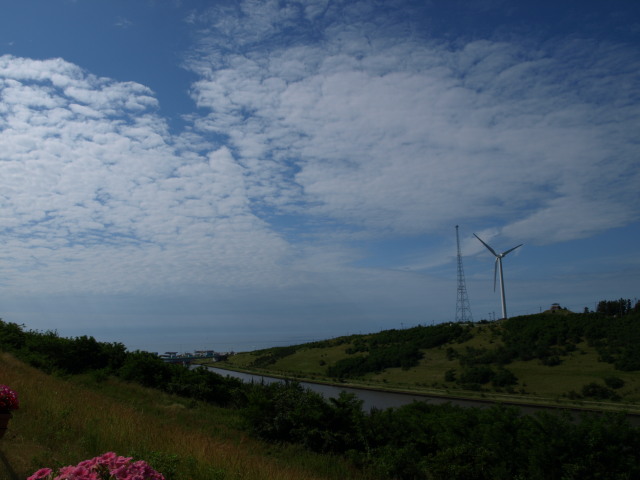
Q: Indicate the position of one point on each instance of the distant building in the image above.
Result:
(555, 307)
(205, 353)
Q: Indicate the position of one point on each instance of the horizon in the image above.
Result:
(248, 173)
(261, 344)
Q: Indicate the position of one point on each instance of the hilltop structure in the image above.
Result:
(463, 309)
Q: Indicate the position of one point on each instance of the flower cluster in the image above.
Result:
(108, 466)
(8, 399)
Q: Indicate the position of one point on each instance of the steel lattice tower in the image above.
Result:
(463, 310)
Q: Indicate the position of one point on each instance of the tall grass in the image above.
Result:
(62, 422)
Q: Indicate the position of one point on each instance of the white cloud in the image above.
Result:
(398, 135)
(123, 23)
(96, 196)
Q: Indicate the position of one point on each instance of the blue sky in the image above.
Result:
(241, 174)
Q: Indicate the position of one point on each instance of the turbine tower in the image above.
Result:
(463, 310)
(498, 265)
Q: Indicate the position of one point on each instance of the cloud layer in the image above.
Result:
(405, 134)
(330, 149)
(96, 195)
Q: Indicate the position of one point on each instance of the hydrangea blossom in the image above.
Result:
(8, 399)
(108, 466)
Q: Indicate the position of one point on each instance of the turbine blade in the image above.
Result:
(512, 249)
(488, 247)
(495, 273)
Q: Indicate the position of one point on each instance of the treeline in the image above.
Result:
(618, 307)
(378, 351)
(423, 441)
(548, 337)
(272, 355)
(69, 356)
(395, 348)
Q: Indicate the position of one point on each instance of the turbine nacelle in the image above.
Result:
(497, 255)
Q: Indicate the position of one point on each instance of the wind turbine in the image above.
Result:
(498, 265)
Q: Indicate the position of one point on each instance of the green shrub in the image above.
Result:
(480, 375)
(614, 382)
(272, 355)
(504, 378)
(450, 375)
(599, 392)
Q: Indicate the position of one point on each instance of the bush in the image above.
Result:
(287, 412)
(551, 361)
(504, 378)
(599, 392)
(272, 355)
(404, 356)
(629, 360)
(547, 337)
(395, 349)
(477, 374)
(422, 441)
(450, 375)
(52, 353)
(614, 382)
(145, 368)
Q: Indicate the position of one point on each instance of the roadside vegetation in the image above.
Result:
(81, 398)
(64, 419)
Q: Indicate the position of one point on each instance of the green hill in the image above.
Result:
(591, 360)
(81, 398)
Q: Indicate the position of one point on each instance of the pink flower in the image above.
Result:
(8, 399)
(117, 468)
(76, 473)
(43, 473)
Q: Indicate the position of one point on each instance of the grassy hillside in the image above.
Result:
(62, 421)
(561, 358)
(191, 424)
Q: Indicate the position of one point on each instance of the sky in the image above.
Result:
(235, 175)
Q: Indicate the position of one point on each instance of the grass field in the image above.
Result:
(64, 421)
(537, 383)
